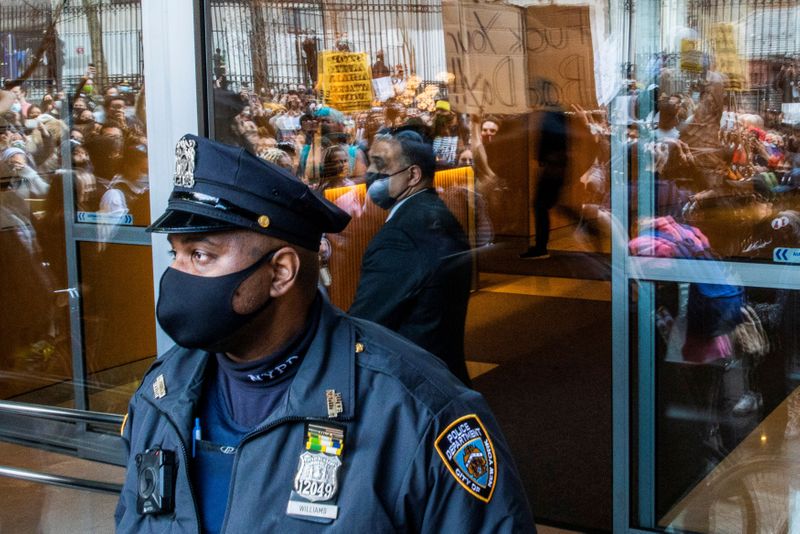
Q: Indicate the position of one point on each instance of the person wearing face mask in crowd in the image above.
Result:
(83, 118)
(78, 107)
(127, 191)
(416, 271)
(19, 183)
(86, 190)
(277, 412)
(7, 133)
(19, 175)
(116, 114)
(105, 150)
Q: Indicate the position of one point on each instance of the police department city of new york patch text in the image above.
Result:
(468, 453)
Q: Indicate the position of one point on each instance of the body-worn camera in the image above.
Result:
(156, 489)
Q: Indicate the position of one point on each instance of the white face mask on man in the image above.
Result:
(378, 188)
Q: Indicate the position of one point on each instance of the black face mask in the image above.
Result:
(197, 311)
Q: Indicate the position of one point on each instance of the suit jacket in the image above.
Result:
(415, 278)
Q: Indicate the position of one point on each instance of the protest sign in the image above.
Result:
(484, 46)
(560, 56)
(727, 59)
(383, 88)
(345, 80)
(791, 113)
(691, 56)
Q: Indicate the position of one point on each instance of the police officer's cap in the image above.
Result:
(221, 187)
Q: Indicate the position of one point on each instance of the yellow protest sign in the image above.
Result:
(691, 56)
(345, 80)
(726, 56)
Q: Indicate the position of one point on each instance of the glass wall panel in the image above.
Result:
(119, 327)
(512, 98)
(710, 143)
(727, 410)
(73, 181)
(713, 120)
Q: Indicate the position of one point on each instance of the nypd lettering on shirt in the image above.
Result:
(274, 373)
(468, 453)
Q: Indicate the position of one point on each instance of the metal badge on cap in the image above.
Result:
(184, 162)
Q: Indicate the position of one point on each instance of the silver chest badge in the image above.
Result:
(316, 478)
(184, 162)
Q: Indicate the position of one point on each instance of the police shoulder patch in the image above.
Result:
(468, 453)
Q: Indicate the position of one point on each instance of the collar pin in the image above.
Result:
(333, 399)
(159, 387)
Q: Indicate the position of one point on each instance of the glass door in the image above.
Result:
(77, 320)
(706, 204)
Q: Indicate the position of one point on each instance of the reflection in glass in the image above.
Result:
(119, 321)
(712, 152)
(73, 152)
(715, 115)
(506, 99)
(727, 379)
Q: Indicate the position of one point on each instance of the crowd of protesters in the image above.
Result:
(716, 166)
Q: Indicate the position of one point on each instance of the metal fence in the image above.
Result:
(765, 33)
(274, 43)
(64, 63)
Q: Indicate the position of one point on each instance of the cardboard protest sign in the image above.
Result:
(484, 46)
(560, 56)
(345, 80)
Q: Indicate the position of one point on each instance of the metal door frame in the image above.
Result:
(172, 37)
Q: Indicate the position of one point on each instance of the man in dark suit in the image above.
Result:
(416, 271)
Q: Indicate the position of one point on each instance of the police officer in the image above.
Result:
(276, 412)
